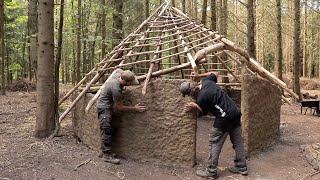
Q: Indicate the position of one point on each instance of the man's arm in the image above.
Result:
(196, 75)
(191, 106)
(120, 107)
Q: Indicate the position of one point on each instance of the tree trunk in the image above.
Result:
(251, 29)
(57, 66)
(92, 62)
(296, 49)
(190, 2)
(195, 6)
(304, 63)
(214, 28)
(147, 8)
(45, 123)
(78, 77)
(310, 63)
(117, 32)
(311, 49)
(278, 63)
(318, 53)
(85, 20)
(213, 15)
(103, 29)
(184, 6)
(204, 12)
(33, 27)
(224, 20)
(173, 2)
(3, 78)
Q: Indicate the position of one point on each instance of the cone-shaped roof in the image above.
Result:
(171, 44)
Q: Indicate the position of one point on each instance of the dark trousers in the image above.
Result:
(216, 141)
(105, 120)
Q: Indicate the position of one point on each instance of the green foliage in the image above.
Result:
(270, 61)
(15, 27)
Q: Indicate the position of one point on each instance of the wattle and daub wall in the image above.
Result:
(260, 107)
(165, 134)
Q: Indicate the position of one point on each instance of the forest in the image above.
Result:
(91, 28)
(61, 41)
(49, 49)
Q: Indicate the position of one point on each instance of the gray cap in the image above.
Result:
(129, 77)
(185, 88)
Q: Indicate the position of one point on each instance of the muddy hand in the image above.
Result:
(190, 106)
(139, 108)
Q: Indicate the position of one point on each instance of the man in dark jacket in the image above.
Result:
(211, 99)
(110, 99)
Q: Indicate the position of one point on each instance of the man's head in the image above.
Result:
(189, 88)
(129, 78)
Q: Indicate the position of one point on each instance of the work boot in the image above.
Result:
(112, 154)
(208, 174)
(108, 157)
(240, 168)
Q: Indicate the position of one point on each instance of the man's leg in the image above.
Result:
(238, 146)
(105, 119)
(216, 141)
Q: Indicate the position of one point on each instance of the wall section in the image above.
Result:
(260, 107)
(163, 134)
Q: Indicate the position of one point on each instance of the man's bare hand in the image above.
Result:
(194, 75)
(190, 106)
(139, 108)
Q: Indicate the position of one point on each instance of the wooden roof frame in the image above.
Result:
(168, 29)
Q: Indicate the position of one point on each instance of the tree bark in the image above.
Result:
(304, 63)
(296, 49)
(147, 8)
(204, 12)
(224, 20)
(117, 32)
(214, 28)
(213, 15)
(45, 122)
(57, 66)
(103, 29)
(93, 46)
(33, 30)
(278, 63)
(190, 2)
(184, 6)
(173, 2)
(251, 29)
(78, 76)
(195, 6)
(85, 20)
(3, 78)
(311, 49)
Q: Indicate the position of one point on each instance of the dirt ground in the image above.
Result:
(24, 157)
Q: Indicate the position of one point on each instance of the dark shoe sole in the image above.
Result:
(112, 162)
(244, 173)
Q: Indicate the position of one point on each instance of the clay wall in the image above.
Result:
(260, 107)
(163, 133)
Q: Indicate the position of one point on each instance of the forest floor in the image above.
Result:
(24, 157)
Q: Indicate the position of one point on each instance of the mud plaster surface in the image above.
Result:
(261, 106)
(164, 133)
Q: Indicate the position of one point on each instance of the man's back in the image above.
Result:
(110, 92)
(213, 99)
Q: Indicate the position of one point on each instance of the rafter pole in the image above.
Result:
(98, 75)
(186, 49)
(252, 64)
(144, 88)
(165, 4)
